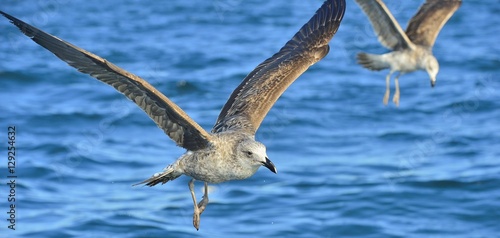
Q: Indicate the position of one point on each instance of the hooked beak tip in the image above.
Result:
(268, 164)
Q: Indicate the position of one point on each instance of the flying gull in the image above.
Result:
(411, 50)
(230, 150)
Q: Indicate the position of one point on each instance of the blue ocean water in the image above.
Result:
(348, 165)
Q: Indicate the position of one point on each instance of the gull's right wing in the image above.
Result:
(166, 114)
(389, 32)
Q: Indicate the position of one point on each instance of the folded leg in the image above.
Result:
(387, 88)
(203, 203)
(395, 98)
(196, 214)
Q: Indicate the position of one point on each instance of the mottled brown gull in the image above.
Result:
(411, 50)
(230, 151)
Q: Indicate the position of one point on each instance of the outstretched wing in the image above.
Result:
(253, 98)
(389, 32)
(168, 116)
(424, 27)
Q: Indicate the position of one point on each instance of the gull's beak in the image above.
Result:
(268, 164)
(433, 82)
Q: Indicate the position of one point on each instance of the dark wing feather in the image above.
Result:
(168, 116)
(388, 31)
(424, 27)
(253, 98)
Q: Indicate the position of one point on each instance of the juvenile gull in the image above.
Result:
(230, 151)
(411, 50)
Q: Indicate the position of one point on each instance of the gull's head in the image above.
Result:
(255, 152)
(432, 68)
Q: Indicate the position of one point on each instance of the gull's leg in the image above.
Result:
(196, 214)
(395, 98)
(387, 88)
(203, 203)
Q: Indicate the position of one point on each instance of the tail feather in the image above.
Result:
(372, 62)
(166, 175)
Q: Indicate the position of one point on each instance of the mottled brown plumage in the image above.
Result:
(388, 31)
(425, 26)
(166, 114)
(250, 102)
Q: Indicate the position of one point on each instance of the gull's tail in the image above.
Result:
(372, 62)
(166, 175)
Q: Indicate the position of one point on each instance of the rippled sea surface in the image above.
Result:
(348, 165)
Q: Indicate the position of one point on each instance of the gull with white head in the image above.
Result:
(230, 150)
(411, 50)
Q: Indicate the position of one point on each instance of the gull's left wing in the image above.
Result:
(253, 98)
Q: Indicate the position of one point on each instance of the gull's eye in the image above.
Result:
(249, 153)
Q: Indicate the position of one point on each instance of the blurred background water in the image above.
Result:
(348, 165)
